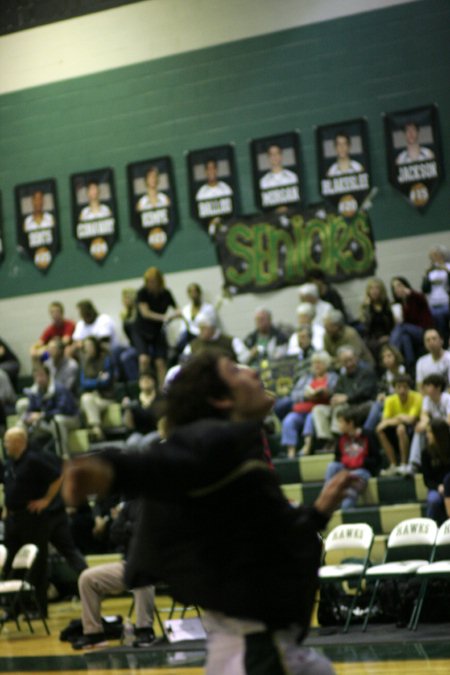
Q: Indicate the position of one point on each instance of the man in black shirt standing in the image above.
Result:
(31, 481)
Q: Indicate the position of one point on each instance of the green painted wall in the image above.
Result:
(358, 66)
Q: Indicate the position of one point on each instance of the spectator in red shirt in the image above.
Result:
(60, 327)
(415, 318)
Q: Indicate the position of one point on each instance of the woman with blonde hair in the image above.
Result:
(155, 305)
(376, 316)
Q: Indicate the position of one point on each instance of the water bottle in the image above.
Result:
(128, 633)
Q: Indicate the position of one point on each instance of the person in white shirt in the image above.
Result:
(93, 324)
(436, 286)
(38, 219)
(95, 209)
(212, 339)
(278, 176)
(344, 163)
(436, 405)
(310, 293)
(153, 199)
(305, 318)
(214, 187)
(436, 361)
(413, 152)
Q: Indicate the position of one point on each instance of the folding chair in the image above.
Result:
(410, 545)
(19, 589)
(439, 568)
(345, 541)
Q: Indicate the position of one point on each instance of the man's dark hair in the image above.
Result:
(189, 395)
(436, 380)
(87, 310)
(403, 378)
(342, 133)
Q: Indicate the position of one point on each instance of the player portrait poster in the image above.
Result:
(212, 183)
(37, 222)
(152, 201)
(343, 162)
(94, 212)
(414, 153)
(276, 171)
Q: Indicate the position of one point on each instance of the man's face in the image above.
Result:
(332, 328)
(194, 293)
(349, 361)
(38, 202)
(248, 398)
(211, 172)
(263, 322)
(433, 341)
(342, 147)
(402, 390)
(275, 157)
(15, 443)
(152, 179)
(433, 392)
(411, 134)
(55, 313)
(304, 339)
(93, 192)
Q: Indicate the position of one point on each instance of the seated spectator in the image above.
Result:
(436, 468)
(310, 293)
(305, 317)
(266, 342)
(355, 451)
(125, 357)
(211, 339)
(313, 388)
(155, 305)
(190, 313)
(391, 366)
(92, 324)
(109, 579)
(48, 408)
(96, 384)
(63, 369)
(414, 318)
(436, 405)
(356, 386)
(437, 361)
(337, 334)
(141, 416)
(7, 398)
(436, 286)
(59, 328)
(400, 414)
(328, 293)
(376, 316)
(9, 363)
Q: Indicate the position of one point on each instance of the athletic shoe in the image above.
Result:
(91, 641)
(392, 470)
(144, 637)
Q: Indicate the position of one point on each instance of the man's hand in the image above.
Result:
(86, 476)
(37, 505)
(334, 492)
(338, 399)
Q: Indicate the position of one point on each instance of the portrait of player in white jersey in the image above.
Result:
(212, 184)
(414, 152)
(344, 164)
(37, 222)
(276, 171)
(95, 209)
(278, 176)
(154, 198)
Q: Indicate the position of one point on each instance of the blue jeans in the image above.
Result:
(282, 406)
(291, 428)
(349, 501)
(435, 507)
(374, 416)
(408, 338)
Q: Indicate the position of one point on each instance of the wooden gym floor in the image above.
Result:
(427, 652)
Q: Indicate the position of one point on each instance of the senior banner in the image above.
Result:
(414, 153)
(37, 222)
(94, 212)
(262, 253)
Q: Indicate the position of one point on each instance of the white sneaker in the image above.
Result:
(390, 471)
